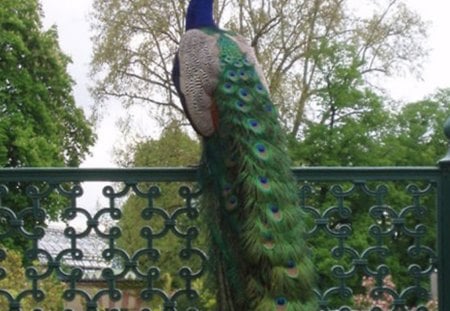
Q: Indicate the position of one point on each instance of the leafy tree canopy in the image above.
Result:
(320, 59)
(173, 148)
(40, 125)
(297, 42)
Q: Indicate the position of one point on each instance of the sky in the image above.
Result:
(436, 67)
(72, 20)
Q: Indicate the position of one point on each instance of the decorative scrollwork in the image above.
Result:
(335, 208)
(360, 228)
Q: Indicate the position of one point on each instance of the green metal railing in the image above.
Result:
(365, 223)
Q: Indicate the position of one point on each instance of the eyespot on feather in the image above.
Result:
(261, 151)
(268, 108)
(268, 242)
(291, 269)
(275, 212)
(244, 94)
(232, 203)
(254, 125)
(228, 87)
(260, 88)
(228, 59)
(243, 75)
(281, 303)
(232, 75)
(226, 189)
(246, 62)
(263, 183)
(238, 64)
(242, 106)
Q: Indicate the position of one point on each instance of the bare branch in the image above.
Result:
(135, 41)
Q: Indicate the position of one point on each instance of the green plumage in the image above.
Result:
(250, 195)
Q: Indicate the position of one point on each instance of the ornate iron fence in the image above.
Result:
(368, 228)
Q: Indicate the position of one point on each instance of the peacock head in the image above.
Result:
(200, 14)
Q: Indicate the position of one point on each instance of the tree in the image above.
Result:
(350, 117)
(135, 43)
(16, 281)
(374, 136)
(173, 148)
(40, 125)
(417, 131)
(133, 50)
(321, 61)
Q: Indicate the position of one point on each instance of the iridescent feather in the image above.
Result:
(257, 230)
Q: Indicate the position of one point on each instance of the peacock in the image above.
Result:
(258, 251)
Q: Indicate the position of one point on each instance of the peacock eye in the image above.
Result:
(227, 188)
(238, 64)
(274, 209)
(228, 87)
(243, 75)
(260, 88)
(246, 62)
(261, 151)
(253, 123)
(242, 106)
(260, 147)
(244, 94)
(228, 59)
(281, 301)
(232, 75)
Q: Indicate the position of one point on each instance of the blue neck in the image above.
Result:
(200, 14)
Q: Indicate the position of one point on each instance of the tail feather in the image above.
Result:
(259, 225)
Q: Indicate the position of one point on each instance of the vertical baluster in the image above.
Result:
(444, 227)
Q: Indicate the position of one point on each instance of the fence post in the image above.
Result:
(444, 227)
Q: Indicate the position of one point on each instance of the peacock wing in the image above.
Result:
(199, 67)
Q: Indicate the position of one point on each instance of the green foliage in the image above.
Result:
(173, 148)
(16, 281)
(354, 126)
(40, 124)
(417, 131)
(351, 117)
(292, 39)
(371, 135)
(319, 59)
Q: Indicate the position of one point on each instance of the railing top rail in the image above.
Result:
(186, 174)
(357, 173)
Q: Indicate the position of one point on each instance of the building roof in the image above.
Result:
(92, 262)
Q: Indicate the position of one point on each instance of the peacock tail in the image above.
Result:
(250, 196)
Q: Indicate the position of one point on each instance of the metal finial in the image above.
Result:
(446, 159)
(447, 129)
